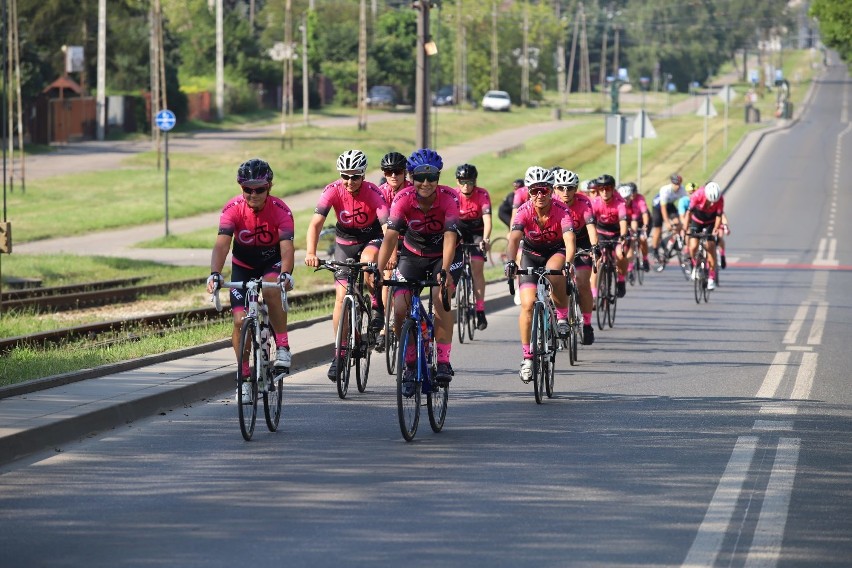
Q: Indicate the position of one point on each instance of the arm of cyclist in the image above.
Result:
(486, 232)
(217, 261)
(388, 249)
(287, 264)
(449, 252)
(314, 228)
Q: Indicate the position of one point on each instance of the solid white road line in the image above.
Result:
(815, 336)
(765, 550)
(805, 377)
(796, 324)
(705, 548)
(774, 375)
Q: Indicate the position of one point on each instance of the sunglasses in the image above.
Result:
(256, 190)
(565, 187)
(467, 182)
(393, 172)
(353, 177)
(420, 178)
(539, 190)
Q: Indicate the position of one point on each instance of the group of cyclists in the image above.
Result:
(410, 227)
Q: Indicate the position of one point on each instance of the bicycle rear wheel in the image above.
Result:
(497, 251)
(613, 299)
(471, 308)
(363, 344)
(602, 304)
(273, 395)
(390, 337)
(699, 282)
(436, 401)
(705, 289)
(550, 359)
(575, 329)
(538, 345)
(462, 312)
(407, 387)
(345, 345)
(247, 411)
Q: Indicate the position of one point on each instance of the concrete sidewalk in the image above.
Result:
(34, 421)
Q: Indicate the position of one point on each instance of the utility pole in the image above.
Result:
(154, 58)
(362, 66)
(560, 55)
(286, 84)
(525, 67)
(422, 100)
(570, 80)
(305, 84)
(457, 67)
(251, 16)
(220, 62)
(585, 65)
(602, 81)
(101, 100)
(16, 48)
(495, 75)
(615, 54)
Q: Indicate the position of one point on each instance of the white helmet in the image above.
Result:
(712, 192)
(625, 191)
(352, 160)
(537, 174)
(584, 186)
(565, 177)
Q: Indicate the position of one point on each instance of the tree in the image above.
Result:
(835, 24)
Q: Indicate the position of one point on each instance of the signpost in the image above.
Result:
(707, 110)
(642, 128)
(725, 95)
(616, 132)
(166, 121)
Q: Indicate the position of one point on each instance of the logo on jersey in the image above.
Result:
(358, 217)
(260, 236)
(430, 224)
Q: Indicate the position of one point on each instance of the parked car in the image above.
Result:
(445, 96)
(381, 95)
(497, 100)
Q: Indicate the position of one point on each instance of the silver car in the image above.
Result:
(497, 100)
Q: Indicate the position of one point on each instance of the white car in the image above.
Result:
(497, 100)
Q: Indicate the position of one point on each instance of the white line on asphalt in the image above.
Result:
(784, 409)
(774, 375)
(711, 533)
(772, 425)
(805, 377)
(815, 336)
(775, 260)
(765, 548)
(799, 348)
(796, 324)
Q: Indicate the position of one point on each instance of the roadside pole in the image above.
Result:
(166, 121)
(707, 110)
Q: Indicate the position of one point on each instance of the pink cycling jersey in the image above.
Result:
(360, 216)
(638, 207)
(543, 239)
(704, 212)
(471, 209)
(522, 195)
(582, 214)
(608, 214)
(388, 192)
(424, 230)
(256, 235)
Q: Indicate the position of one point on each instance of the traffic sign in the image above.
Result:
(727, 93)
(642, 127)
(165, 120)
(706, 109)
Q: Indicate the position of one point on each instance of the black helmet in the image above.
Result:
(466, 171)
(254, 170)
(633, 187)
(676, 179)
(606, 180)
(393, 161)
(518, 183)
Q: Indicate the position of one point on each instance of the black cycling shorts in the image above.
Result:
(241, 274)
(657, 215)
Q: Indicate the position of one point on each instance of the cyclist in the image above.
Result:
(393, 168)
(683, 203)
(261, 229)
(504, 212)
(547, 229)
(361, 212)
(643, 222)
(522, 195)
(428, 214)
(475, 228)
(626, 193)
(664, 210)
(611, 222)
(706, 208)
(565, 184)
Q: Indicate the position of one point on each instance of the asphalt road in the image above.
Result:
(697, 435)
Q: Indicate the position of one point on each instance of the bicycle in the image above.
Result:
(354, 340)
(607, 301)
(638, 273)
(465, 300)
(674, 245)
(327, 240)
(257, 346)
(390, 339)
(544, 339)
(417, 362)
(497, 251)
(575, 314)
(702, 267)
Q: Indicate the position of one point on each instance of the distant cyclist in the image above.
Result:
(706, 208)
(642, 216)
(543, 229)
(683, 203)
(261, 229)
(504, 212)
(565, 186)
(361, 212)
(428, 214)
(475, 228)
(664, 210)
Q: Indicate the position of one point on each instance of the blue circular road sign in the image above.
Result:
(165, 119)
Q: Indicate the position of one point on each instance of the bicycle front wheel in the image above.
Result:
(390, 338)
(602, 304)
(698, 286)
(462, 312)
(613, 297)
(247, 407)
(575, 327)
(538, 345)
(273, 395)
(497, 251)
(471, 308)
(437, 398)
(345, 345)
(407, 387)
(550, 359)
(363, 344)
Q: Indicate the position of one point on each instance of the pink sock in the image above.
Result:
(246, 369)
(480, 305)
(410, 354)
(620, 278)
(587, 319)
(444, 352)
(282, 340)
(562, 313)
(594, 292)
(527, 352)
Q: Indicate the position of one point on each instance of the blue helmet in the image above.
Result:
(425, 161)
